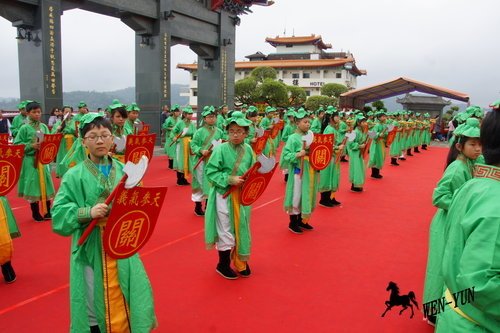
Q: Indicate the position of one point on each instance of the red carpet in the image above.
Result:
(332, 279)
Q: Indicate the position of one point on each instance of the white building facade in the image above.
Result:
(299, 61)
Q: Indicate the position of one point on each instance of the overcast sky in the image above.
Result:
(449, 43)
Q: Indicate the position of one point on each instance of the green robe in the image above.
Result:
(68, 140)
(221, 122)
(74, 156)
(329, 178)
(182, 145)
(11, 220)
(202, 140)
(226, 160)
(82, 187)
(472, 253)
(310, 176)
(455, 175)
(130, 125)
(271, 147)
(17, 122)
(316, 125)
(395, 148)
(377, 148)
(356, 161)
(168, 126)
(29, 182)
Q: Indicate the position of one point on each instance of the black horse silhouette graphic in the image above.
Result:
(396, 299)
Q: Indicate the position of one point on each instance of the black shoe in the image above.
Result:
(335, 202)
(170, 164)
(47, 216)
(394, 161)
(325, 200)
(293, 226)
(224, 265)
(402, 158)
(35, 212)
(303, 225)
(415, 150)
(95, 329)
(356, 189)
(408, 152)
(286, 177)
(181, 180)
(198, 210)
(376, 173)
(424, 147)
(8, 272)
(246, 272)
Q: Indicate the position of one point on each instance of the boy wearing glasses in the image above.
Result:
(106, 294)
(227, 222)
(35, 182)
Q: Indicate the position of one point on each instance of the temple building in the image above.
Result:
(424, 104)
(299, 60)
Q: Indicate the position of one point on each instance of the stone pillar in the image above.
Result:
(40, 73)
(216, 76)
(152, 77)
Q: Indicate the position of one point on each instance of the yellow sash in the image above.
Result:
(6, 247)
(43, 189)
(185, 147)
(117, 311)
(451, 303)
(68, 139)
(235, 200)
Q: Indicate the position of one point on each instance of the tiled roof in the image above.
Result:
(313, 39)
(288, 64)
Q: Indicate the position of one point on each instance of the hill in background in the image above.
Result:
(96, 99)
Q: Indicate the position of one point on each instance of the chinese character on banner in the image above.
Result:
(10, 167)
(321, 151)
(259, 145)
(4, 138)
(129, 224)
(138, 145)
(255, 184)
(49, 147)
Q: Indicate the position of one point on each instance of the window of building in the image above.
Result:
(306, 75)
(338, 75)
(295, 75)
(289, 45)
(308, 93)
(195, 77)
(195, 93)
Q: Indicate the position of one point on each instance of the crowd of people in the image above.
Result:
(214, 160)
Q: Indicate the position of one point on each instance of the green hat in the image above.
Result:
(207, 110)
(469, 129)
(359, 118)
(115, 104)
(331, 110)
(369, 113)
(252, 108)
(21, 105)
(88, 118)
(239, 118)
(290, 112)
(380, 113)
(133, 107)
(301, 113)
(244, 106)
(319, 110)
(175, 107)
(270, 109)
(187, 109)
(495, 105)
(427, 115)
(82, 104)
(417, 114)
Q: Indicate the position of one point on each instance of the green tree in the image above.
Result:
(296, 95)
(314, 102)
(263, 73)
(273, 92)
(333, 90)
(245, 90)
(378, 105)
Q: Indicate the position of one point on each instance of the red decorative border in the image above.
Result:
(486, 171)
